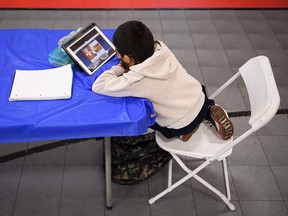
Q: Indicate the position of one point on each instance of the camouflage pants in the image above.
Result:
(136, 158)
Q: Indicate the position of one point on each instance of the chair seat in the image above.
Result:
(203, 144)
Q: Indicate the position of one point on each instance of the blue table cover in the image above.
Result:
(85, 115)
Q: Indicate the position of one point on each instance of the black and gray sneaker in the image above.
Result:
(222, 122)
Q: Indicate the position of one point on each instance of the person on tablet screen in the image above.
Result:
(150, 70)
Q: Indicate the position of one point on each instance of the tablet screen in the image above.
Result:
(90, 48)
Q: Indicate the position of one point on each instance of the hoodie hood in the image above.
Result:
(160, 65)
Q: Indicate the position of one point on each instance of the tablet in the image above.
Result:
(90, 48)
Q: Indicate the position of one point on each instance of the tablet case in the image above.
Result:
(84, 36)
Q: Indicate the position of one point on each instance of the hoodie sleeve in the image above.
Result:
(112, 83)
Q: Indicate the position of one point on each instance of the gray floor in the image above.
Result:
(211, 44)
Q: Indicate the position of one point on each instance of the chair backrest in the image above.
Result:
(262, 90)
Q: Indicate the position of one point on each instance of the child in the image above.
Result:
(148, 69)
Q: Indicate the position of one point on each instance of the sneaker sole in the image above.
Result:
(224, 125)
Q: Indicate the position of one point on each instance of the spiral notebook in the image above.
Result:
(49, 84)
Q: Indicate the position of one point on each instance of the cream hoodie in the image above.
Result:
(176, 96)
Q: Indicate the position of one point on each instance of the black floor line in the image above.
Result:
(39, 149)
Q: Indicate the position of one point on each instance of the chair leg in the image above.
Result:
(172, 186)
(189, 175)
(170, 173)
(225, 170)
(217, 192)
(169, 189)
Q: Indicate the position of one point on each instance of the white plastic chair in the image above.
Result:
(207, 144)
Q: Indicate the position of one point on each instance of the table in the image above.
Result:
(85, 115)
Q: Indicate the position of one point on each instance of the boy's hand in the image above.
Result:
(124, 67)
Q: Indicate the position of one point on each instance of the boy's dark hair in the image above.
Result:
(133, 38)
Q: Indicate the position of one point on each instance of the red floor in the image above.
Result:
(142, 4)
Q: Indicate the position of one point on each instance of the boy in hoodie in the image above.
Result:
(149, 69)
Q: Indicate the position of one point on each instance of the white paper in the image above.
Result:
(49, 84)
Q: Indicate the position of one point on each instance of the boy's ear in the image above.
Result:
(126, 59)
